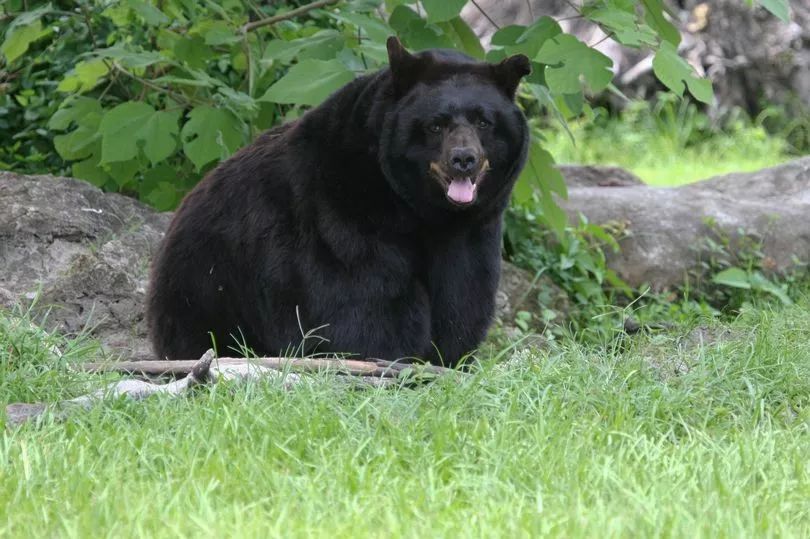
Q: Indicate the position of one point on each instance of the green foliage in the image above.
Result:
(569, 61)
(147, 96)
(574, 260)
(738, 269)
(309, 82)
(750, 280)
(677, 75)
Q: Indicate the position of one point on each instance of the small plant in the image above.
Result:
(574, 260)
(737, 267)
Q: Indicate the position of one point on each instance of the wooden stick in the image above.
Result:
(208, 369)
(288, 15)
(375, 368)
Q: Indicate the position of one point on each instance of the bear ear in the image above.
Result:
(507, 73)
(405, 67)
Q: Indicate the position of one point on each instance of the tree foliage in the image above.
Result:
(144, 96)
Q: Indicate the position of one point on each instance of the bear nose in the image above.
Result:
(463, 159)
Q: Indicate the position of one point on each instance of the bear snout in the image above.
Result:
(465, 160)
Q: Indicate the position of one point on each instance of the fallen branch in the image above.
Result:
(374, 368)
(211, 369)
(288, 15)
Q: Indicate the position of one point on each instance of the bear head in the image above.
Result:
(453, 139)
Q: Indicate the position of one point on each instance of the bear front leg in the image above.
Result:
(463, 280)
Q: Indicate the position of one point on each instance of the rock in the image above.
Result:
(664, 227)
(82, 253)
(597, 176)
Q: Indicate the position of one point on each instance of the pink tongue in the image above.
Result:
(461, 190)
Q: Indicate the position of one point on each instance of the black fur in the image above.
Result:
(337, 220)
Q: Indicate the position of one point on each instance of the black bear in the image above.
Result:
(375, 217)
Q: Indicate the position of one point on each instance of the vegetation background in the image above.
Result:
(698, 430)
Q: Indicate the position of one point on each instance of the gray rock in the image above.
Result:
(597, 176)
(81, 253)
(663, 226)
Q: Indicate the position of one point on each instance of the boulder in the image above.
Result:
(663, 228)
(597, 176)
(82, 254)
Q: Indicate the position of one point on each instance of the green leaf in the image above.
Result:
(375, 51)
(309, 82)
(78, 144)
(193, 51)
(654, 15)
(164, 197)
(169, 79)
(133, 123)
(84, 141)
(442, 10)
(622, 24)
(19, 38)
(545, 98)
(676, 74)
(240, 102)
(734, 277)
(372, 27)
(131, 59)
(507, 36)
(553, 214)
(211, 135)
(122, 172)
(160, 188)
(90, 171)
(220, 33)
(780, 8)
(763, 284)
(282, 51)
(570, 61)
(415, 31)
(84, 76)
(526, 40)
(541, 175)
(464, 39)
(149, 13)
(74, 109)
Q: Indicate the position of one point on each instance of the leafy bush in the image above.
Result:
(143, 97)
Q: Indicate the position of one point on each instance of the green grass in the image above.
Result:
(601, 441)
(669, 144)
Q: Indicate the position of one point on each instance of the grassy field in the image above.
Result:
(668, 144)
(697, 432)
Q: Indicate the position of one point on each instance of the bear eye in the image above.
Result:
(483, 124)
(434, 128)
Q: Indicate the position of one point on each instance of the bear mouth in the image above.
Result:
(460, 190)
